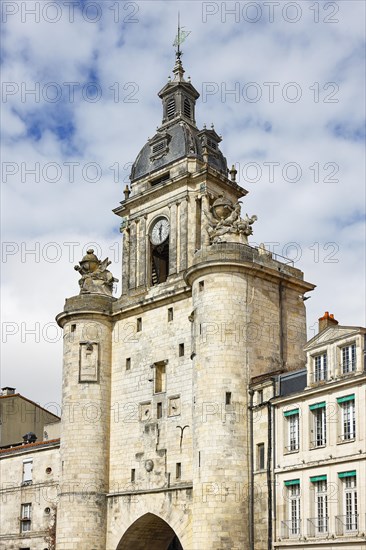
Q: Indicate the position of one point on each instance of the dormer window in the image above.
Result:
(187, 108)
(158, 147)
(170, 108)
(211, 144)
(348, 358)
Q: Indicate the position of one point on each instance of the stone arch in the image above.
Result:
(150, 532)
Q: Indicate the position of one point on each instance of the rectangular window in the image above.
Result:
(350, 520)
(319, 428)
(201, 286)
(321, 507)
(260, 456)
(27, 471)
(178, 470)
(348, 358)
(294, 510)
(25, 517)
(320, 367)
(139, 324)
(293, 430)
(160, 378)
(133, 475)
(159, 410)
(170, 314)
(128, 363)
(348, 417)
(181, 350)
(260, 397)
(228, 398)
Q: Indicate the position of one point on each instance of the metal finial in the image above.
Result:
(179, 39)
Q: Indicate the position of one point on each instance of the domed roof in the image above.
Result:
(178, 136)
(176, 142)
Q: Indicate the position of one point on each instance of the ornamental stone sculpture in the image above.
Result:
(226, 225)
(95, 277)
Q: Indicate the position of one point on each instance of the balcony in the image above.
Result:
(318, 527)
(346, 525)
(346, 437)
(319, 442)
(291, 529)
(292, 448)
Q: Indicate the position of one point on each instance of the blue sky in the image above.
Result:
(284, 85)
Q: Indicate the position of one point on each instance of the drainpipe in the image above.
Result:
(274, 486)
(269, 474)
(282, 336)
(251, 470)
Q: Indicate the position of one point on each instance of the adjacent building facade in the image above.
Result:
(316, 422)
(29, 472)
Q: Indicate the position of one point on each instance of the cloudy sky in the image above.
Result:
(283, 82)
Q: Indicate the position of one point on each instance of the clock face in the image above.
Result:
(160, 231)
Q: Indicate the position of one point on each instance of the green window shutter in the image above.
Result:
(292, 482)
(318, 478)
(352, 473)
(317, 406)
(290, 413)
(346, 398)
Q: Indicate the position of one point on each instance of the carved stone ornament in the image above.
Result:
(149, 465)
(224, 223)
(95, 277)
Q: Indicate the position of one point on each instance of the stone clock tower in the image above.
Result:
(155, 442)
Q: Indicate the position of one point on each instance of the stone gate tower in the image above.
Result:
(155, 441)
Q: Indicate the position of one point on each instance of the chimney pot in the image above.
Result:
(326, 321)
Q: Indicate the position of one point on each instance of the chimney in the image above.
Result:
(327, 321)
(7, 391)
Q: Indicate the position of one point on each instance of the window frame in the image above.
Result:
(321, 505)
(25, 479)
(348, 358)
(348, 420)
(294, 509)
(160, 376)
(25, 518)
(261, 456)
(318, 423)
(320, 362)
(292, 436)
(350, 503)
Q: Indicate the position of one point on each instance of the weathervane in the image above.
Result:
(180, 38)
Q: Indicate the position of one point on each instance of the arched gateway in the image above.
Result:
(149, 532)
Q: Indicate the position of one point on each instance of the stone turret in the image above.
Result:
(86, 321)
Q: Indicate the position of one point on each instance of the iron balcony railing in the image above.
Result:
(291, 528)
(347, 524)
(318, 527)
(319, 442)
(292, 447)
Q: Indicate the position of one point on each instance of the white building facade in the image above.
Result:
(320, 433)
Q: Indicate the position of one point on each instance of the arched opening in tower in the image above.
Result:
(150, 532)
(159, 263)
